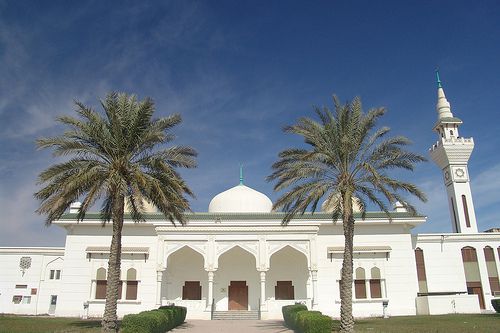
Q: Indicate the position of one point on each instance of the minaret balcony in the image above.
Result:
(452, 151)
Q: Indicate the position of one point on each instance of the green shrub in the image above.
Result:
(301, 316)
(178, 313)
(154, 321)
(496, 304)
(313, 322)
(289, 314)
(145, 322)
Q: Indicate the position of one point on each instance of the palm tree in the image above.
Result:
(115, 156)
(346, 163)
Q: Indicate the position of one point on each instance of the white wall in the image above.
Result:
(35, 277)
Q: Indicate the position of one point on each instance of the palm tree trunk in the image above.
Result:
(110, 319)
(346, 318)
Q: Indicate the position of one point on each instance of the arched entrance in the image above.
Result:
(287, 278)
(236, 283)
(185, 279)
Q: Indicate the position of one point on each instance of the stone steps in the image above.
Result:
(236, 315)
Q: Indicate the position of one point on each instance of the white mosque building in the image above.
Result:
(238, 256)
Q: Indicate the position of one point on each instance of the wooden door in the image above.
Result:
(476, 289)
(238, 295)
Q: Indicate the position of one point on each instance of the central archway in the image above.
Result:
(236, 281)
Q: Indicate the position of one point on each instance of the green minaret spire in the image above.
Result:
(438, 79)
(241, 174)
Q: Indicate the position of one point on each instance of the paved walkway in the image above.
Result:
(231, 326)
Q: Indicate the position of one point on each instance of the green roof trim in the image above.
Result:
(249, 216)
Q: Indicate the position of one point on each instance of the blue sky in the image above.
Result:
(237, 72)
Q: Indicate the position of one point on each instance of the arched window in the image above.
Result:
(472, 275)
(101, 282)
(360, 283)
(132, 284)
(421, 276)
(375, 283)
(491, 266)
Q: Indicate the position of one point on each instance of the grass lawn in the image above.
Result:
(485, 323)
(21, 324)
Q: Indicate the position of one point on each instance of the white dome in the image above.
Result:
(327, 206)
(240, 199)
(148, 207)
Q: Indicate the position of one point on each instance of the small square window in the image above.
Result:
(27, 300)
(17, 299)
(33, 291)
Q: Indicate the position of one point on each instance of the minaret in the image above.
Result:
(451, 153)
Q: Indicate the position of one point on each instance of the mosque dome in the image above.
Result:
(148, 207)
(240, 199)
(327, 206)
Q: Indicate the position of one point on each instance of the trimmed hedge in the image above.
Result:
(300, 320)
(289, 314)
(496, 304)
(313, 322)
(155, 321)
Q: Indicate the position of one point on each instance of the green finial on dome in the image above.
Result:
(241, 174)
(438, 79)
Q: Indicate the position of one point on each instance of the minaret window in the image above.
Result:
(466, 211)
(454, 215)
(451, 132)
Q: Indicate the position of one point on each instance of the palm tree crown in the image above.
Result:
(348, 159)
(115, 156)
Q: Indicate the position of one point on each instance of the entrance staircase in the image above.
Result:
(236, 315)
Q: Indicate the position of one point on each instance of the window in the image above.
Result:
(375, 283)
(454, 215)
(21, 286)
(472, 275)
(466, 211)
(491, 267)
(55, 274)
(360, 284)
(26, 300)
(33, 291)
(53, 299)
(132, 283)
(191, 290)
(284, 290)
(101, 283)
(16, 299)
(422, 279)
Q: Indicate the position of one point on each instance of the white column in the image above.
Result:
(159, 277)
(314, 278)
(92, 290)
(262, 289)
(124, 290)
(210, 289)
(485, 282)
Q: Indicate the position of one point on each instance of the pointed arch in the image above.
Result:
(242, 247)
(179, 248)
(292, 246)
